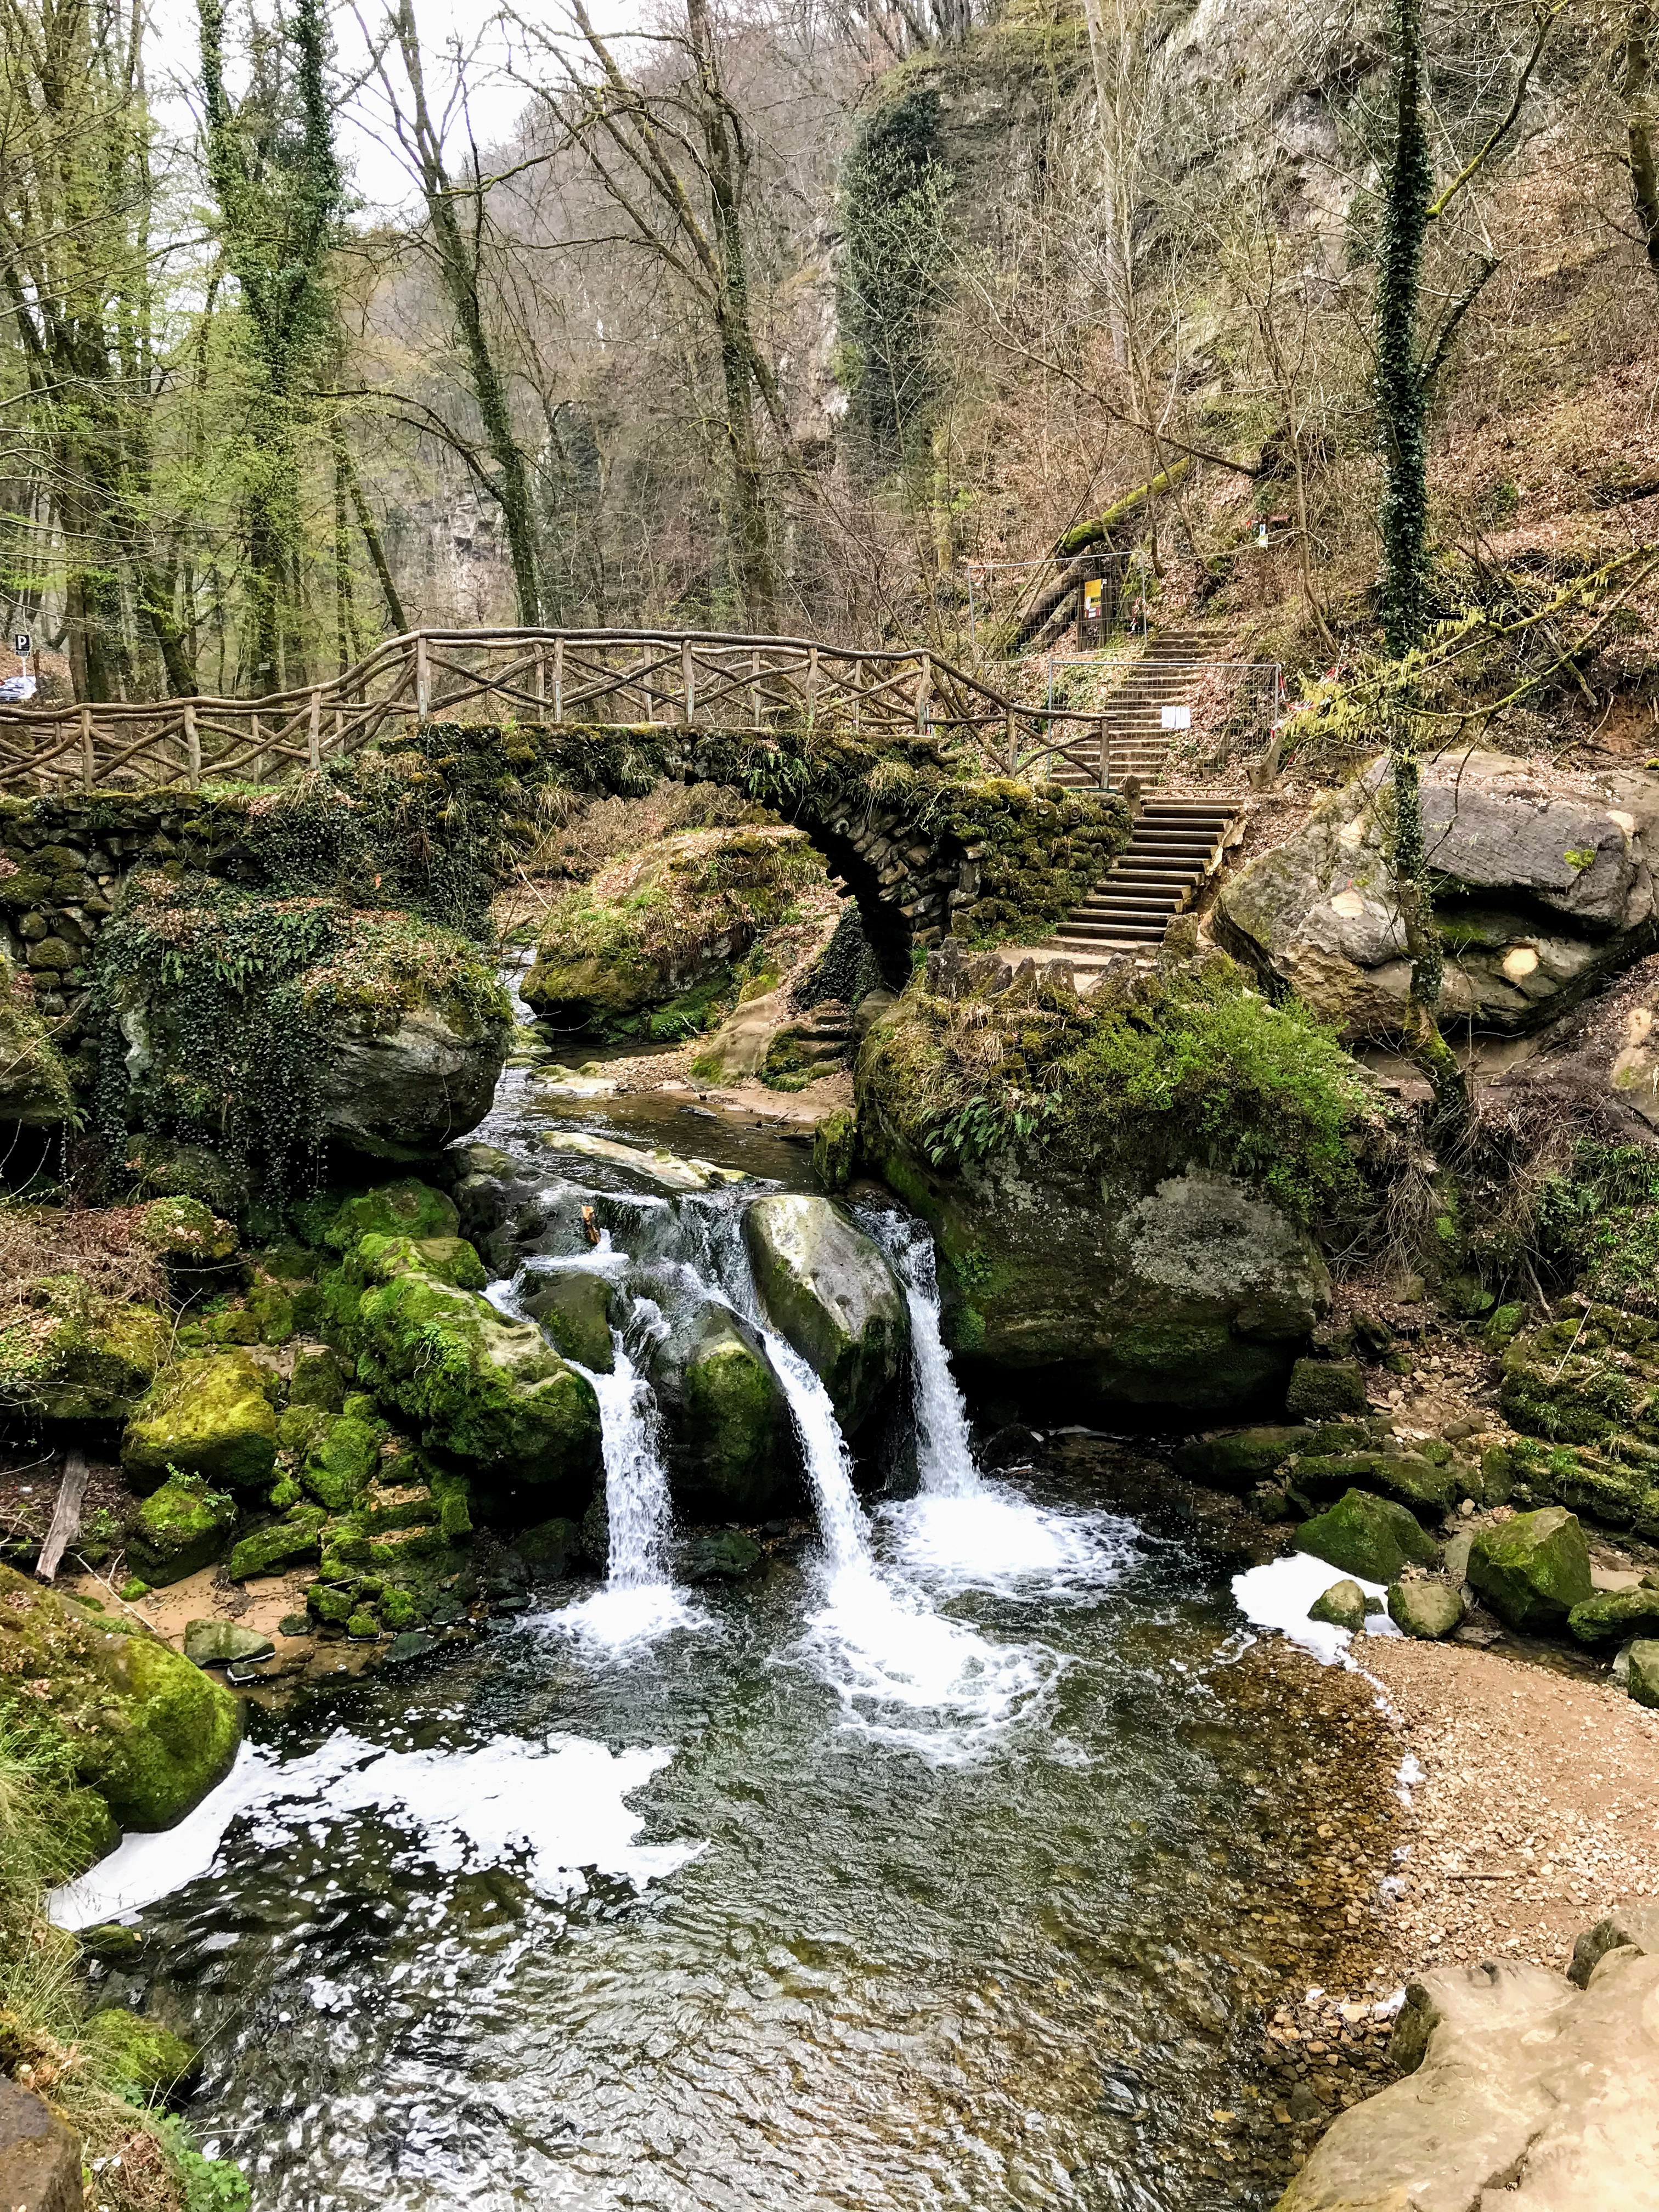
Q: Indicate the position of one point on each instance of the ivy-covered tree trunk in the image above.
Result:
(1402, 412)
(1637, 90)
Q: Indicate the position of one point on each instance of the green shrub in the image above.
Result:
(1601, 1219)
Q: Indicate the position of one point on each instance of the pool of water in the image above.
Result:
(950, 1863)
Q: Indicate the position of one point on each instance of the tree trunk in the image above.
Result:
(1643, 173)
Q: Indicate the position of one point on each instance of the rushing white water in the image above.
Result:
(944, 1458)
(639, 1602)
(828, 1469)
(551, 1808)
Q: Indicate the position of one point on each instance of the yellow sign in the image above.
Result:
(1092, 597)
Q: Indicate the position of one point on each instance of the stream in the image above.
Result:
(912, 1873)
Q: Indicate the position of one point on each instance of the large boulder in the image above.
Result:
(1425, 1610)
(1542, 887)
(132, 1717)
(39, 2154)
(1371, 1537)
(828, 1292)
(730, 1444)
(210, 1417)
(491, 1391)
(71, 1354)
(573, 1305)
(1520, 2089)
(1533, 1570)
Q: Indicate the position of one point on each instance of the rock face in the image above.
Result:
(211, 1418)
(405, 1092)
(1534, 1570)
(574, 1307)
(1542, 888)
(39, 2157)
(730, 1446)
(144, 1728)
(1371, 1537)
(830, 1291)
(1196, 1292)
(1524, 2092)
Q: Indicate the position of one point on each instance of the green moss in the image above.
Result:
(342, 1454)
(446, 1259)
(209, 1416)
(286, 1543)
(1194, 1069)
(71, 1354)
(35, 1078)
(182, 1526)
(318, 1380)
(1532, 1569)
(574, 1306)
(147, 2059)
(1600, 1218)
(1371, 1537)
(185, 1231)
(134, 1719)
(405, 1209)
(835, 1150)
(492, 1392)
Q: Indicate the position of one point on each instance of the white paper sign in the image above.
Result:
(1176, 717)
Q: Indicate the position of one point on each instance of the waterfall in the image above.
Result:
(829, 1470)
(945, 1459)
(635, 1480)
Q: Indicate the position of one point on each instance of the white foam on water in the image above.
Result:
(997, 1540)
(623, 1618)
(842, 1524)
(553, 1809)
(906, 1675)
(1278, 1595)
(944, 1458)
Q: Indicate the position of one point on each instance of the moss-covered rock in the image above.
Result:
(343, 1452)
(829, 1291)
(224, 1643)
(35, 1089)
(657, 924)
(408, 1209)
(1342, 1605)
(185, 1232)
(1327, 1389)
(71, 1354)
(835, 1150)
(726, 1555)
(1641, 1681)
(1533, 1570)
(446, 1259)
(1607, 1614)
(1567, 1383)
(210, 1417)
(319, 1378)
(573, 1305)
(132, 1717)
(180, 1526)
(1368, 1536)
(1406, 1476)
(550, 1547)
(730, 1445)
(492, 1392)
(147, 2059)
(1428, 1610)
(293, 1541)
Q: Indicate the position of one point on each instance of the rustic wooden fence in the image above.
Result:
(605, 678)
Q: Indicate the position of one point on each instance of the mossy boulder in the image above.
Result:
(725, 1555)
(1615, 1613)
(293, 1541)
(185, 1232)
(1342, 1605)
(147, 2059)
(1558, 1386)
(835, 1150)
(731, 1448)
(1533, 1570)
(71, 1354)
(180, 1526)
(1407, 1477)
(493, 1392)
(1327, 1389)
(1235, 1458)
(320, 1378)
(1425, 1610)
(1641, 1681)
(133, 1719)
(210, 1417)
(828, 1292)
(408, 1209)
(1368, 1536)
(573, 1305)
(446, 1259)
(549, 1547)
(224, 1643)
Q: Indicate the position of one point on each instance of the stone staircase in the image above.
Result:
(1174, 845)
(1137, 744)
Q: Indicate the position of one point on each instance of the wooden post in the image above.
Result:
(857, 698)
(1105, 756)
(811, 686)
(192, 747)
(1013, 741)
(86, 749)
(422, 679)
(259, 770)
(754, 688)
(314, 734)
(541, 677)
(558, 679)
(688, 680)
(924, 692)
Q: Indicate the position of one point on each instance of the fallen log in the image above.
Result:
(65, 1514)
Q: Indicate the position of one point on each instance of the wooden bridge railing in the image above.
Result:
(609, 677)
